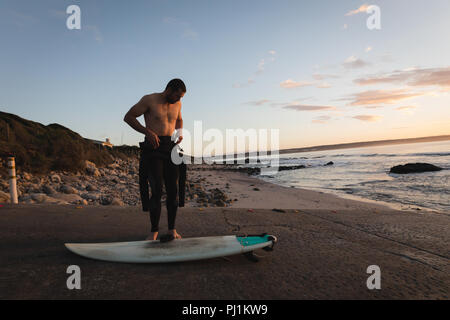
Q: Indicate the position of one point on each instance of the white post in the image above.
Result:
(12, 180)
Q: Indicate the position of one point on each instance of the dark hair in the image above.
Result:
(176, 84)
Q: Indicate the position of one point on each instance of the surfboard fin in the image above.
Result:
(166, 238)
(251, 256)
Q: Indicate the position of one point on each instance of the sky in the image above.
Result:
(313, 70)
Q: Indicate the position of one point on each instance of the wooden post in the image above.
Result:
(12, 180)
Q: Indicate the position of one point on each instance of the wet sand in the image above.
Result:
(321, 254)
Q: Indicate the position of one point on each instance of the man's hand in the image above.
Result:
(152, 138)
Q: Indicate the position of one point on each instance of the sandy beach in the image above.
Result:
(252, 192)
(325, 246)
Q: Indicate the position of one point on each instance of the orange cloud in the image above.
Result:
(363, 8)
(320, 77)
(295, 84)
(413, 77)
(301, 107)
(258, 102)
(376, 97)
(405, 108)
(368, 118)
(321, 119)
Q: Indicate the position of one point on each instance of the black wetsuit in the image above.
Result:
(156, 167)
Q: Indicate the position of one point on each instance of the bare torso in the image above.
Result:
(161, 116)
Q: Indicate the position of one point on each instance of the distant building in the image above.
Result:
(106, 143)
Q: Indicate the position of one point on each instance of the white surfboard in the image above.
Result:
(173, 251)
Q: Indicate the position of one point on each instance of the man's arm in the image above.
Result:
(179, 127)
(135, 112)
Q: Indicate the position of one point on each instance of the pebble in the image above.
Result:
(117, 185)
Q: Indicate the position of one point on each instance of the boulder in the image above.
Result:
(117, 202)
(55, 178)
(414, 168)
(68, 190)
(48, 189)
(39, 197)
(71, 198)
(105, 200)
(90, 187)
(4, 197)
(26, 176)
(91, 169)
(91, 196)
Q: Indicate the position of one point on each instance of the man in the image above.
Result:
(162, 114)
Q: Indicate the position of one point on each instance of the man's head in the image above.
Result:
(175, 90)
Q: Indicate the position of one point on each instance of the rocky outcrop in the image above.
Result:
(113, 185)
(414, 168)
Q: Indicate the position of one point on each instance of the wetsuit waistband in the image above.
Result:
(165, 145)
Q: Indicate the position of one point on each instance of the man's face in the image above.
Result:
(175, 96)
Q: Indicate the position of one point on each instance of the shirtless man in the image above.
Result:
(162, 114)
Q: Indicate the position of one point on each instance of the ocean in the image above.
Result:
(363, 174)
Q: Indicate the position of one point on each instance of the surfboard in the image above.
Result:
(186, 249)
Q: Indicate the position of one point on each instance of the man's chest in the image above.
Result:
(168, 112)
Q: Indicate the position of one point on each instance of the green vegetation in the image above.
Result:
(40, 149)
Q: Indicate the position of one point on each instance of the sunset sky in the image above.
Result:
(311, 69)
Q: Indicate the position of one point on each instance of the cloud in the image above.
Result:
(368, 49)
(258, 102)
(324, 85)
(374, 107)
(243, 85)
(295, 84)
(301, 107)
(190, 33)
(261, 64)
(376, 97)
(321, 119)
(353, 62)
(290, 84)
(368, 118)
(18, 18)
(260, 68)
(58, 13)
(324, 76)
(95, 31)
(417, 77)
(362, 8)
(406, 109)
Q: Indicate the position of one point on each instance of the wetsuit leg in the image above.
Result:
(156, 176)
(171, 182)
(143, 182)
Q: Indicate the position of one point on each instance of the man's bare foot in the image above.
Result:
(153, 236)
(175, 234)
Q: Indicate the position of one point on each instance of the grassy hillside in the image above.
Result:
(40, 149)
